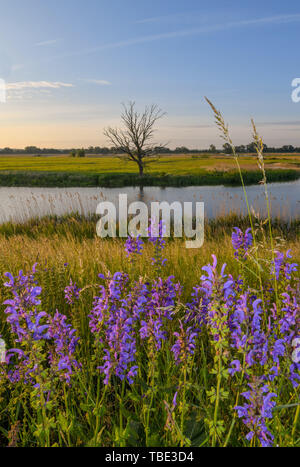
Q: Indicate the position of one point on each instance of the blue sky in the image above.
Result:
(68, 65)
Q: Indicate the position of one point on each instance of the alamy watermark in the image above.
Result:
(186, 219)
(296, 92)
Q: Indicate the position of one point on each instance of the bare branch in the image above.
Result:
(135, 139)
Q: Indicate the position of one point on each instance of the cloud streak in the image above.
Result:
(280, 123)
(45, 43)
(36, 85)
(100, 82)
(269, 20)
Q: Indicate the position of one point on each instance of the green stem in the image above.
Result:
(183, 404)
(121, 414)
(295, 421)
(236, 403)
(67, 411)
(251, 224)
(98, 405)
(151, 402)
(219, 378)
(272, 244)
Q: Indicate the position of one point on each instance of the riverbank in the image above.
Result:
(110, 180)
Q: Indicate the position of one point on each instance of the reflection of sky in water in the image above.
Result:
(19, 204)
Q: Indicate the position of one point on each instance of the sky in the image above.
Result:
(67, 67)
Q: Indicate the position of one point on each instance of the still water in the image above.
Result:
(21, 204)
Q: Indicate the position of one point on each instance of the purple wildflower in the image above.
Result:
(133, 246)
(152, 330)
(184, 345)
(72, 293)
(235, 367)
(156, 233)
(282, 264)
(65, 343)
(112, 322)
(241, 242)
(121, 348)
(39, 334)
(256, 411)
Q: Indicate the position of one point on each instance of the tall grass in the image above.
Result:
(110, 180)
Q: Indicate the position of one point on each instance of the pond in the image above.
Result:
(21, 204)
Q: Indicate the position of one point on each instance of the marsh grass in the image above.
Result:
(200, 177)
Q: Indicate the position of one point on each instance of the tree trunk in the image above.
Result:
(141, 169)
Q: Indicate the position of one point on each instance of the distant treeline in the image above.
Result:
(242, 149)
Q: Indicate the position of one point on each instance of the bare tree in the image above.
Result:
(135, 139)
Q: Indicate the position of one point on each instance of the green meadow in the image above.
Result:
(167, 170)
(171, 164)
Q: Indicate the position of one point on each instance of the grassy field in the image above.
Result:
(72, 239)
(191, 164)
(175, 170)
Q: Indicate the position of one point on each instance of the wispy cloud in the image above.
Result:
(36, 85)
(100, 82)
(269, 20)
(27, 90)
(280, 123)
(279, 19)
(191, 16)
(45, 43)
(192, 127)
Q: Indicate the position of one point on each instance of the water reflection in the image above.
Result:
(21, 204)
